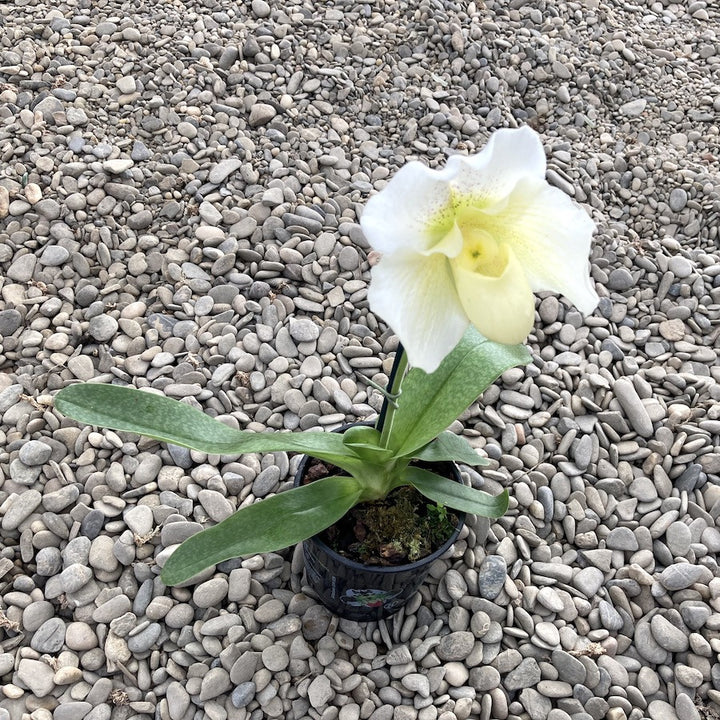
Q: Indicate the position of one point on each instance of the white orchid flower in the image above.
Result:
(470, 243)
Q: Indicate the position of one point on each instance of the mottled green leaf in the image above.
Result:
(449, 446)
(428, 404)
(455, 495)
(159, 417)
(265, 526)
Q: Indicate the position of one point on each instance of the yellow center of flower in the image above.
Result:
(481, 252)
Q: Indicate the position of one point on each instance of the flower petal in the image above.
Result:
(489, 177)
(502, 308)
(450, 245)
(408, 213)
(415, 295)
(550, 235)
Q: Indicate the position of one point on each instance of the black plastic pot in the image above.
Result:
(366, 592)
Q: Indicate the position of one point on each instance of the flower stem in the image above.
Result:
(387, 413)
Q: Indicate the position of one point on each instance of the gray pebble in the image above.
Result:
(349, 258)
(678, 538)
(139, 519)
(261, 114)
(320, 692)
(243, 694)
(215, 504)
(92, 524)
(7, 662)
(678, 199)
(19, 508)
(77, 551)
(48, 561)
(694, 614)
(210, 593)
(116, 166)
(175, 532)
(686, 708)
(266, 481)
(589, 581)
(49, 637)
(178, 700)
(220, 172)
(142, 641)
(548, 633)
(140, 152)
(10, 321)
(455, 646)
(549, 598)
(632, 405)
(680, 267)
(179, 616)
(35, 452)
(634, 108)
(80, 636)
(692, 477)
(661, 710)
(549, 309)
(54, 256)
(112, 608)
(315, 622)
(37, 613)
(620, 279)
(569, 668)
(646, 644)
(103, 327)
(21, 269)
(311, 366)
(688, 676)
(609, 616)
(526, 674)
(48, 208)
(417, 683)
(36, 675)
(622, 538)
(491, 576)
(667, 635)
(214, 683)
(81, 367)
(218, 626)
(683, 575)
(304, 330)
(484, 679)
(23, 474)
(455, 585)
(643, 489)
(275, 658)
(72, 710)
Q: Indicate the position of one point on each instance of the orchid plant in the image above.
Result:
(463, 250)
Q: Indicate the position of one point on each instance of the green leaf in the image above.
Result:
(364, 441)
(265, 526)
(428, 404)
(449, 446)
(361, 435)
(456, 495)
(159, 417)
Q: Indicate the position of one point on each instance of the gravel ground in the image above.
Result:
(179, 193)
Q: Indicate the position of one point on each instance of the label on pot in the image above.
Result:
(372, 598)
(339, 595)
